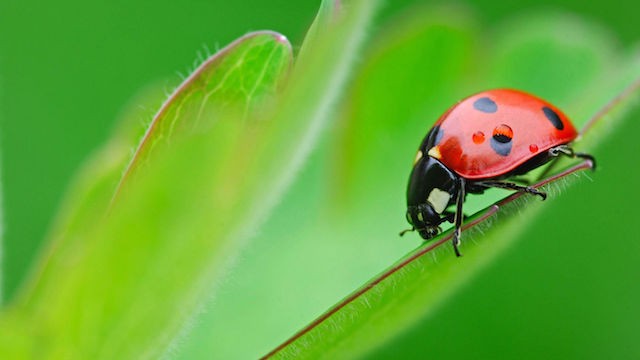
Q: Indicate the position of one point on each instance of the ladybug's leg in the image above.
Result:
(448, 216)
(458, 218)
(512, 186)
(521, 180)
(587, 157)
(567, 151)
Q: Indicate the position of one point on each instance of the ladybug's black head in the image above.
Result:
(424, 220)
(432, 188)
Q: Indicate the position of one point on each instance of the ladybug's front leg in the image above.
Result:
(449, 216)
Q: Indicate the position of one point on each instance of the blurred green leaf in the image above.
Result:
(327, 14)
(316, 228)
(175, 227)
(2, 255)
(89, 196)
(218, 334)
(553, 55)
(122, 261)
(414, 292)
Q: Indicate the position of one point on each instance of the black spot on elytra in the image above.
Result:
(501, 144)
(553, 117)
(485, 105)
(502, 138)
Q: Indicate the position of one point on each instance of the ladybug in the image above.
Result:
(477, 144)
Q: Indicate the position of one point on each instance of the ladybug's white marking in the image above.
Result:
(418, 157)
(434, 152)
(439, 199)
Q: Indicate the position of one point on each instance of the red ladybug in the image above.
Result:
(477, 143)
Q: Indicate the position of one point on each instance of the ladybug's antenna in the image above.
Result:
(406, 231)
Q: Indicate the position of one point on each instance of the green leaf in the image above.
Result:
(554, 67)
(412, 294)
(122, 262)
(93, 187)
(236, 79)
(327, 14)
(171, 233)
(219, 333)
(15, 342)
(2, 265)
(308, 232)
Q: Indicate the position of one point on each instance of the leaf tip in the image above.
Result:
(281, 39)
(278, 37)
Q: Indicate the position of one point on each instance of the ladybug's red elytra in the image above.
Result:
(475, 145)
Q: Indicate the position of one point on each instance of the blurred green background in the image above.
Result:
(68, 68)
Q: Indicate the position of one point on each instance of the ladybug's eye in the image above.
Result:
(409, 220)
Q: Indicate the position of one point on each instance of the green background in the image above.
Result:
(68, 68)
